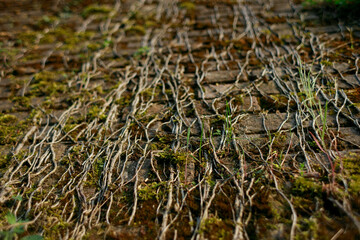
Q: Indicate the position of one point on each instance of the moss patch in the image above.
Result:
(10, 128)
(135, 30)
(96, 9)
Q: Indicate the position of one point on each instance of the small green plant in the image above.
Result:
(142, 52)
(17, 198)
(188, 138)
(16, 228)
(217, 132)
(311, 102)
(307, 83)
(106, 43)
(302, 169)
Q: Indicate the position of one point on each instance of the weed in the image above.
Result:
(16, 228)
(72, 40)
(308, 83)
(107, 43)
(302, 169)
(311, 103)
(217, 132)
(142, 52)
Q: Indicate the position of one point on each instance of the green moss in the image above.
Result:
(96, 171)
(326, 63)
(308, 228)
(94, 112)
(71, 39)
(279, 140)
(23, 102)
(5, 161)
(147, 93)
(135, 30)
(152, 191)
(169, 157)
(99, 89)
(55, 230)
(27, 38)
(48, 83)
(124, 100)
(96, 9)
(189, 6)
(45, 76)
(73, 129)
(149, 24)
(35, 115)
(47, 20)
(10, 53)
(351, 164)
(306, 187)
(10, 128)
(68, 127)
(93, 46)
(48, 88)
(216, 228)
